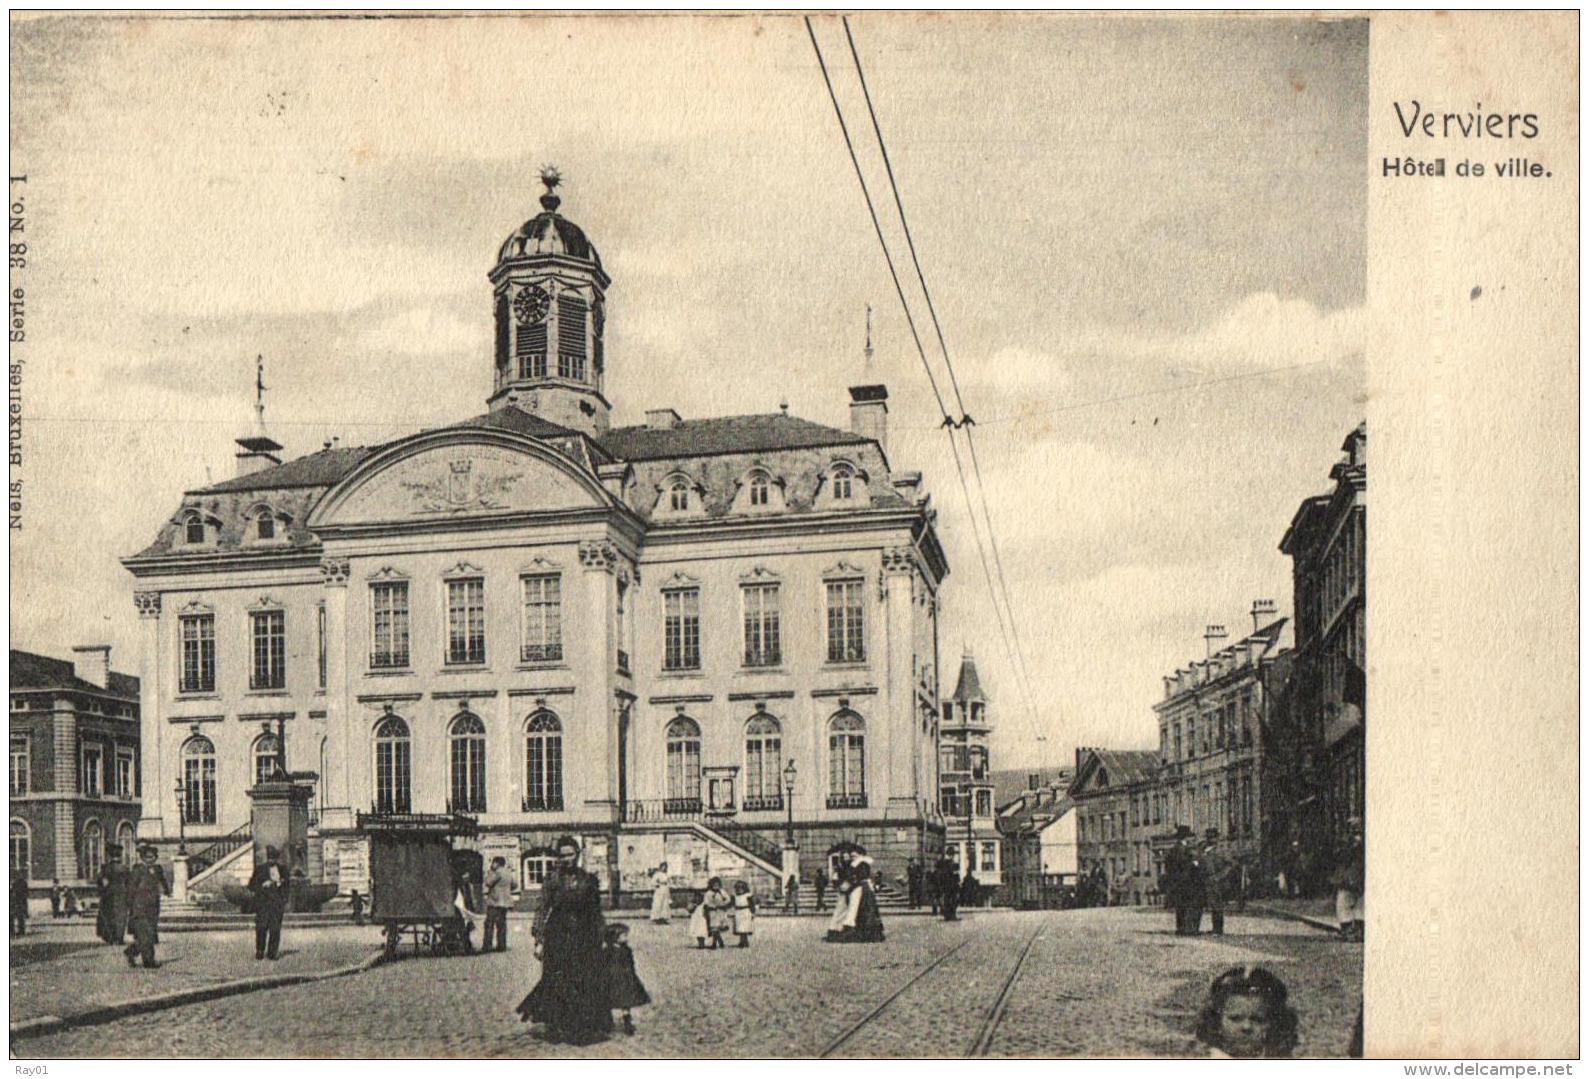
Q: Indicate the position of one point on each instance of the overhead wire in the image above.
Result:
(948, 422)
(965, 423)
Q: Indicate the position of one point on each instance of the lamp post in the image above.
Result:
(788, 801)
(182, 839)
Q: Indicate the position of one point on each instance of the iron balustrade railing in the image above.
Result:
(205, 857)
(760, 802)
(754, 842)
(551, 804)
(540, 653)
(847, 801)
(763, 657)
(662, 809)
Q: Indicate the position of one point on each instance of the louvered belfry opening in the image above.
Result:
(571, 311)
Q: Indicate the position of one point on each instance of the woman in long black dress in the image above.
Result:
(572, 996)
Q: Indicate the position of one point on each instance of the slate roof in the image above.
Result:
(319, 469)
(757, 433)
(1123, 766)
(1032, 816)
(31, 671)
(1010, 783)
(969, 688)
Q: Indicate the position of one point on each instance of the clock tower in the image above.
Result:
(549, 305)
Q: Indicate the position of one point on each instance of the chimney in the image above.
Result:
(869, 413)
(1210, 635)
(1263, 612)
(662, 419)
(93, 664)
(257, 453)
(1033, 781)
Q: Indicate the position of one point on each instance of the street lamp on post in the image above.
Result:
(181, 789)
(789, 789)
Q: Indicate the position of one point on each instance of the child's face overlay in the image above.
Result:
(1244, 1026)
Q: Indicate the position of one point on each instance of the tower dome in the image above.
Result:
(549, 308)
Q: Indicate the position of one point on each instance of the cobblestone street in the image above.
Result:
(1099, 982)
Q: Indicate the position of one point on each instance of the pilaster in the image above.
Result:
(897, 724)
(154, 771)
(598, 728)
(339, 739)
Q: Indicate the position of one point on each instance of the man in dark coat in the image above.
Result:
(111, 883)
(572, 996)
(1176, 882)
(821, 883)
(913, 881)
(946, 878)
(146, 883)
(970, 890)
(1215, 873)
(19, 902)
(269, 888)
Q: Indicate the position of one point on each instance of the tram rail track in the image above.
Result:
(991, 1018)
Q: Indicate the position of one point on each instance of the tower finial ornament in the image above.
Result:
(868, 365)
(551, 178)
(259, 393)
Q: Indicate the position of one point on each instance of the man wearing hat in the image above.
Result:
(146, 882)
(1177, 885)
(269, 887)
(1215, 871)
(111, 883)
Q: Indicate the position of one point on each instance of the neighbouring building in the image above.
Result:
(1038, 827)
(1326, 542)
(965, 781)
(649, 636)
(75, 777)
(1211, 740)
(1117, 818)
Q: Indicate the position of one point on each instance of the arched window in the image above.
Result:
(467, 745)
(684, 765)
(759, 488)
(126, 841)
(678, 496)
(763, 763)
(265, 524)
(267, 752)
(393, 766)
(91, 855)
(198, 780)
(846, 761)
(537, 866)
(843, 479)
(193, 529)
(543, 763)
(21, 847)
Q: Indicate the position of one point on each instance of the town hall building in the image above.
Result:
(682, 641)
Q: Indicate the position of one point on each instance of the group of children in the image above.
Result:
(716, 913)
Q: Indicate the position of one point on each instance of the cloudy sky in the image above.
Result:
(1145, 239)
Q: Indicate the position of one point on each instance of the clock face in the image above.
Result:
(531, 304)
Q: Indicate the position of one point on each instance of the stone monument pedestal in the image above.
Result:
(281, 819)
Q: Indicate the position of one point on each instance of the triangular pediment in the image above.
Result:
(450, 475)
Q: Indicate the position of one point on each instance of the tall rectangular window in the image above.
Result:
(389, 623)
(681, 629)
(542, 626)
(762, 646)
(466, 621)
(21, 781)
(124, 779)
(320, 637)
(846, 638)
(93, 770)
(270, 650)
(198, 653)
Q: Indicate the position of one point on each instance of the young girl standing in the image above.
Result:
(744, 913)
(624, 989)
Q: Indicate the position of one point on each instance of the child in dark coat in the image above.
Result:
(624, 988)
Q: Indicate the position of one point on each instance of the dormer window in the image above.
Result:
(679, 496)
(193, 530)
(265, 525)
(759, 489)
(843, 476)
